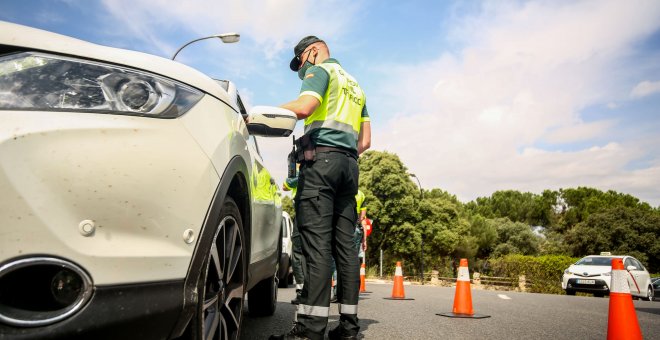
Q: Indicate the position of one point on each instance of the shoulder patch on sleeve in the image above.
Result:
(309, 75)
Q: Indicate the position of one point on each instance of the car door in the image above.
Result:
(633, 276)
(266, 225)
(642, 276)
(265, 214)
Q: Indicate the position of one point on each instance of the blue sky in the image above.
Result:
(474, 96)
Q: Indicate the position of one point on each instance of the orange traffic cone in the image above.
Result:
(463, 296)
(363, 274)
(622, 320)
(397, 290)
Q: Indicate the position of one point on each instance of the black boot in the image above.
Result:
(296, 301)
(296, 333)
(337, 334)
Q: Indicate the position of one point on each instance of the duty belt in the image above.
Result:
(305, 150)
(333, 149)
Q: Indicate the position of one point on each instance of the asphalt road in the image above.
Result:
(513, 316)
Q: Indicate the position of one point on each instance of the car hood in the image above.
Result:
(28, 38)
(589, 270)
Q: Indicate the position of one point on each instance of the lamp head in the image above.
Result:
(229, 38)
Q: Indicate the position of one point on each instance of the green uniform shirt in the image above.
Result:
(317, 82)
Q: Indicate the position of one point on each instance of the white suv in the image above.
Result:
(134, 202)
(286, 269)
(592, 274)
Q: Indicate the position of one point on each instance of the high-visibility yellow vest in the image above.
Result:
(264, 190)
(341, 107)
(359, 199)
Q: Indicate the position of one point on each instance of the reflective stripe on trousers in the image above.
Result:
(314, 310)
(347, 309)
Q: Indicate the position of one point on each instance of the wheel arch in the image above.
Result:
(233, 183)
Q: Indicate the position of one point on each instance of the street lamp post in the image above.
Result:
(421, 197)
(226, 38)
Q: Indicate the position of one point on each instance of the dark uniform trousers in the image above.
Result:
(297, 260)
(325, 210)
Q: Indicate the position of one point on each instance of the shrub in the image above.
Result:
(542, 273)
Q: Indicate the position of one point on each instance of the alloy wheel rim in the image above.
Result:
(224, 285)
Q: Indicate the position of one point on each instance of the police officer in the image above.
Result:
(337, 130)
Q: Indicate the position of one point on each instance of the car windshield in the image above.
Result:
(595, 261)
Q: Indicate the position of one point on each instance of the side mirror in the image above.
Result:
(631, 268)
(270, 121)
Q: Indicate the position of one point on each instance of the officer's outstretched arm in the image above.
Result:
(304, 106)
(364, 139)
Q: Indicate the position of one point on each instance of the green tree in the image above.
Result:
(515, 238)
(391, 204)
(287, 205)
(576, 204)
(537, 210)
(485, 232)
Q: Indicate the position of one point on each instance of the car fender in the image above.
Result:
(235, 174)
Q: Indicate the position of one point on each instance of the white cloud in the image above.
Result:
(469, 121)
(645, 88)
(274, 25)
(578, 132)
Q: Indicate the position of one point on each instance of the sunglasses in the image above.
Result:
(298, 57)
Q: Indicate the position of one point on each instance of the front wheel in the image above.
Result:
(222, 283)
(570, 292)
(650, 294)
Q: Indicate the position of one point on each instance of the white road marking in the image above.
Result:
(503, 297)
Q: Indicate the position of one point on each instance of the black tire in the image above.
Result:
(262, 298)
(222, 283)
(650, 293)
(570, 292)
(289, 278)
(285, 265)
(599, 295)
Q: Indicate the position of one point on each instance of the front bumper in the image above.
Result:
(600, 285)
(139, 311)
(139, 182)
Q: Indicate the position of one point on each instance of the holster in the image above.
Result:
(305, 149)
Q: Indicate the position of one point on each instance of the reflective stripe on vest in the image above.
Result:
(341, 108)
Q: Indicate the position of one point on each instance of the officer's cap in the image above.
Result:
(300, 48)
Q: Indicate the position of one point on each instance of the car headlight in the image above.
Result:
(607, 274)
(39, 81)
(567, 272)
